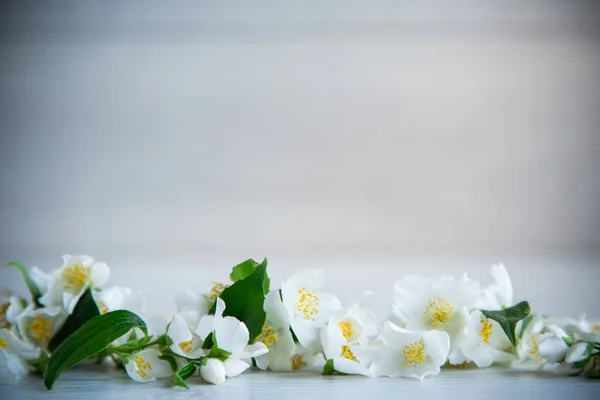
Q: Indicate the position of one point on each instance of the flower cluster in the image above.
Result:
(231, 327)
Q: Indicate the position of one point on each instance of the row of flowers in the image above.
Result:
(433, 323)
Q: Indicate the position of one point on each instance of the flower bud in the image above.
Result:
(213, 372)
(577, 352)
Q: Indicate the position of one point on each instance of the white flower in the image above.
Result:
(146, 366)
(77, 274)
(13, 352)
(185, 342)
(276, 336)
(528, 351)
(552, 344)
(484, 341)
(413, 354)
(38, 326)
(422, 303)
(347, 357)
(119, 298)
(498, 294)
(10, 308)
(308, 308)
(231, 335)
(213, 371)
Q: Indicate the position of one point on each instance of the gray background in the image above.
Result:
(373, 139)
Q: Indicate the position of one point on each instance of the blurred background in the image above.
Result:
(372, 139)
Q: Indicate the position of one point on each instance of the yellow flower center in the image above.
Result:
(186, 346)
(347, 353)
(596, 329)
(414, 354)
(2, 343)
(102, 307)
(534, 352)
(142, 366)
(439, 312)
(486, 331)
(297, 362)
(75, 277)
(346, 327)
(41, 329)
(3, 321)
(307, 304)
(216, 290)
(267, 336)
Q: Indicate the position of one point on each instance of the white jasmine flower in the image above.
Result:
(499, 294)
(528, 350)
(231, 335)
(10, 308)
(484, 341)
(308, 308)
(146, 366)
(552, 344)
(413, 354)
(77, 274)
(185, 343)
(213, 371)
(422, 303)
(119, 298)
(190, 300)
(38, 326)
(276, 336)
(13, 353)
(348, 358)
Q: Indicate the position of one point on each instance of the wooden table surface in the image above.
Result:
(92, 382)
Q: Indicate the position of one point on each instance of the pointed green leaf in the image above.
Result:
(93, 337)
(218, 353)
(243, 269)
(509, 317)
(85, 310)
(33, 289)
(244, 300)
(184, 373)
(526, 322)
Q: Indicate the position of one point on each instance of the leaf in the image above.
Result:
(184, 373)
(171, 360)
(244, 300)
(33, 289)
(85, 310)
(93, 337)
(208, 342)
(244, 269)
(218, 353)
(509, 317)
(328, 368)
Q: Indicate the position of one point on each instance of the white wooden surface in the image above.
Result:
(91, 382)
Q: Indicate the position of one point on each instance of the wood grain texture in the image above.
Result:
(92, 382)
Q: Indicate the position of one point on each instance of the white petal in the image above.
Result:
(192, 300)
(577, 352)
(277, 315)
(41, 279)
(205, 326)
(231, 335)
(179, 332)
(12, 368)
(350, 367)
(234, 367)
(332, 340)
(306, 332)
(156, 325)
(99, 274)
(254, 350)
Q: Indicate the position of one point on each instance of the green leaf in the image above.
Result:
(218, 353)
(93, 337)
(244, 269)
(85, 310)
(33, 289)
(509, 317)
(208, 342)
(184, 373)
(244, 300)
(328, 369)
